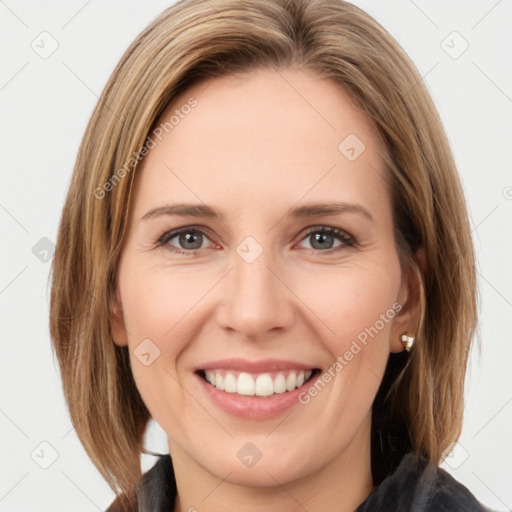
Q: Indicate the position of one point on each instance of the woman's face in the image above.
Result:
(265, 285)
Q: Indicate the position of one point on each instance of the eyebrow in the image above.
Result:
(308, 210)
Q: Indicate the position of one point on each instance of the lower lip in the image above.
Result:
(253, 407)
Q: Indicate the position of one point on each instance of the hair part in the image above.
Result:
(194, 40)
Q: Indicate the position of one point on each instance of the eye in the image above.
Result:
(189, 240)
(323, 238)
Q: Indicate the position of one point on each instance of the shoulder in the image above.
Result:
(416, 487)
(157, 490)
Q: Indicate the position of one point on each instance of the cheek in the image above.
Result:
(357, 307)
(356, 303)
(158, 303)
(158, 307)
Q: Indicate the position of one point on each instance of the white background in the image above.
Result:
(45, 105)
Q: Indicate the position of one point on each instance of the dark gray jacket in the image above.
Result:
(412, 487)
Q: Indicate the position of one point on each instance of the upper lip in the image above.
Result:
(262, 366)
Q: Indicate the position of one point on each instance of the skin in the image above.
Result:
(255, 146)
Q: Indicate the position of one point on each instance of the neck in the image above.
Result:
(342, 484)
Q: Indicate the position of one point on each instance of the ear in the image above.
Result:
(407, 319)
(117, 327)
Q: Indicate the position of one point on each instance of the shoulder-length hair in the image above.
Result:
(194, 40)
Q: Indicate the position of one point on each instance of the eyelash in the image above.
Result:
(348, 240)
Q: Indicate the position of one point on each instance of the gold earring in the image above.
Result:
(407, 341)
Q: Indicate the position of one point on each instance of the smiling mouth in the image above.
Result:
(261, 385)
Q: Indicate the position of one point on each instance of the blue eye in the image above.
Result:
(190, 240)
(322, 239)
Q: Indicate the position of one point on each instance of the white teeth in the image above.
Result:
(260, 385)
(230, 384)
(264, 385)
(290, 381)
(245, 384)
(279, 384)
(210, 377)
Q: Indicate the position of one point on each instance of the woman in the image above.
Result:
(308, 349)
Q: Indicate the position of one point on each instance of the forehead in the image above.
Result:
(266, 138)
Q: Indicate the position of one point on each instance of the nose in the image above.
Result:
(257, 304)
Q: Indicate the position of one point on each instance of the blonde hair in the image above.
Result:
(193, 40)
